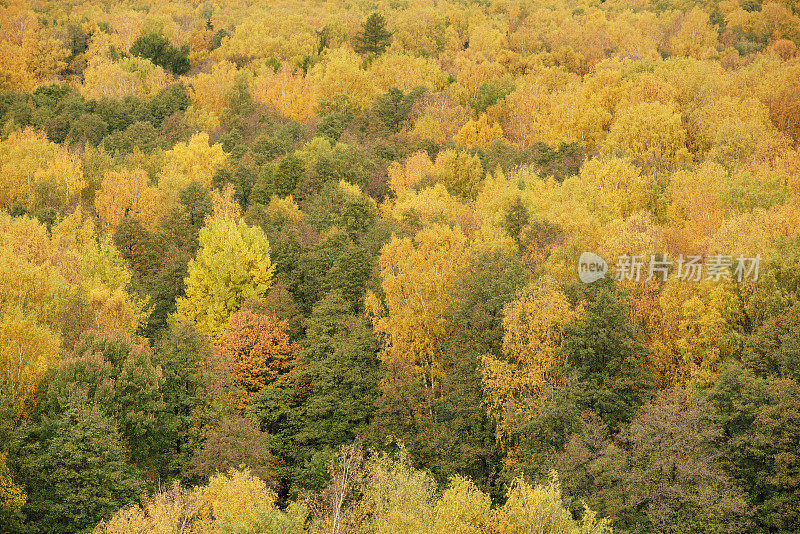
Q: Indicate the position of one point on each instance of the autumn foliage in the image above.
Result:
(258, 349)
(312, 266)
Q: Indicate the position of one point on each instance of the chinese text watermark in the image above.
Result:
(689, 268)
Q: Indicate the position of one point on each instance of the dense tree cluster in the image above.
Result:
(299, 267)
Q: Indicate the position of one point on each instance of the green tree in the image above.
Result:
(160, 51)
(773, 349)
(394, 107)
(335, 263)
(336, 114)
(342, 207)
(516, 219)
(74, 468)
(760, 418)
(182, 353)
(373, 37)
(235, 442)
(287, 175)
(664, 473)
(117, 375)
(338, 375)
(158, 261)
(605, 351)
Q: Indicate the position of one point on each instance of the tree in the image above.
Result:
(340, 73)
(417, 279)
(288, 91)
(533, 327)
(374, 37)
(75, 470)
(344, 206)
(231, 267)
(233, 501)
(117, 375)
(539, 509)
(160, 51)
(183, 353)
(27, 351)
(761, 422)
(479, 133)
(463, 509)
(233, 443)
(338, 376)
(12, 495)
(35, 172)
(257, 349)
(607, 355)
(695, 37)
(515, 220)
(664, 474)
(287, 175)
(211, 91)
(236, 499)
(412, 171)
(336, 263)
(396, 496)
(336, 114)
(460, 172)
(127, 194)
(652, 133)
(394, 107)
(184, 163)
(332, 507)
(158, 269)
(771, 351)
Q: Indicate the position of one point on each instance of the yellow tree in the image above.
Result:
(473, 68)
(418, 277)
(532, 336)
(236, 500)
(411, 172)
(407, 72)
(31, 272)
(460, 172)
(440, 118)
(540, 508)
(691, 335)
(34, 170)
(462, 509)
(211, 90)
(27, 350)
(194, 161)
(432, 205)
(479, 133)
(522, 110)
(14, 75)
(612, 187)
(12, 495)
(339, 73)
(90, 260)
(127, 193)
(288, 91)
(695, 36)
(132, 76)
(651, 133)
(696, 207)
(231, 267)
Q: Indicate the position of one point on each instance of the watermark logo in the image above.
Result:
(689, 268)
(591, 267)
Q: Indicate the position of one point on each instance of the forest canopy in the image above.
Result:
(462, 266)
